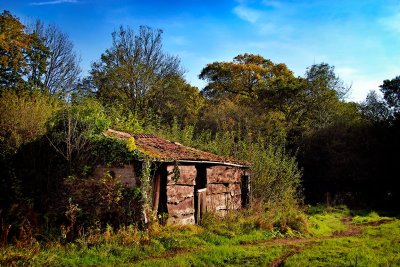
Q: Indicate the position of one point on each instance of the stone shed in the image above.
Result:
(187, 182)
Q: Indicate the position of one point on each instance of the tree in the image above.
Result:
(22, 55)
(61, 73)
(246, 75)
(132, 67)
(323, 78)
(391, 93)
(374, 108)
(250, 93)
(75, 126)
(322, 97)
(176, 99)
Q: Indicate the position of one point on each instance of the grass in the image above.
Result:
(239, 240)
(377, 246)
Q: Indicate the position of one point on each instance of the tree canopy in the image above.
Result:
(22, 55)
(132, 67)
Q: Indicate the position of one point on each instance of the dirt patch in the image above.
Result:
(352, 230)
(377, 223)
(281, 259)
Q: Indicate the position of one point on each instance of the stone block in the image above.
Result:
(224, 174)
(126, 173)
(184, 220)
(234, 202)
(223, 188)
(183, 208)
(187, 175)
(216, 202)
(178, 193)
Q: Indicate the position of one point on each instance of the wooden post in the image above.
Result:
(201, 203)
(328, 199)
(156, 192)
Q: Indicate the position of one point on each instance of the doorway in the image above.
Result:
(200, 192)
(245, 190)
(159, 203)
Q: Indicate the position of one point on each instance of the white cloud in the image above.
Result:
(247, 14)
(55, 2)
(361, 87)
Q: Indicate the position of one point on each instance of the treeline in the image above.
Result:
(305, 142)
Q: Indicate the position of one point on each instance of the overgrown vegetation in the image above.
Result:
(305, 143)
(245, 238)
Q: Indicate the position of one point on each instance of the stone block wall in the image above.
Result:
(180, 194)
(223, 189)
(126, 173)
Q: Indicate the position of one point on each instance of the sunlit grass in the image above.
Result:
(239, 240)
(377, 246)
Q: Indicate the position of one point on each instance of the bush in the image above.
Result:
(101, 202)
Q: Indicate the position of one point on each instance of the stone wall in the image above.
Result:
(223, 191)
(180, 194)
(126, 173)
(224, 188)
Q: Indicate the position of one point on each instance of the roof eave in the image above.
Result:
(203, 161)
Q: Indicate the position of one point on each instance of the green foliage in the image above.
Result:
(122, 119)
(24, 117)
(75, 126)
(111, 152)
(275, 175)
(176, 99)
(391, 93)
(132, 67)
(146, 189)
(99, 202)
(130, 144)
(374, 108)
(22, 56)
(370, 217)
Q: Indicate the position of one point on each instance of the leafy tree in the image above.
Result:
(391, 93)
(252, 92)
(176, 99)
(246, 75)
(132, 67)
(374, 108)
(75, 126)
(319, 101)
(323, 77)
(22, 56)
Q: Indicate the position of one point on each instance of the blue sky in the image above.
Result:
(360, 38)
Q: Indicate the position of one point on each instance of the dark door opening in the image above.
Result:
(200, 192)
(159, 204)
(245, 190)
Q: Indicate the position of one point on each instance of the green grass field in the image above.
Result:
(335, 237)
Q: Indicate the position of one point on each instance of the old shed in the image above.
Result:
(186, 182)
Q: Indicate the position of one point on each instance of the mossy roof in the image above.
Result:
(165, 150)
